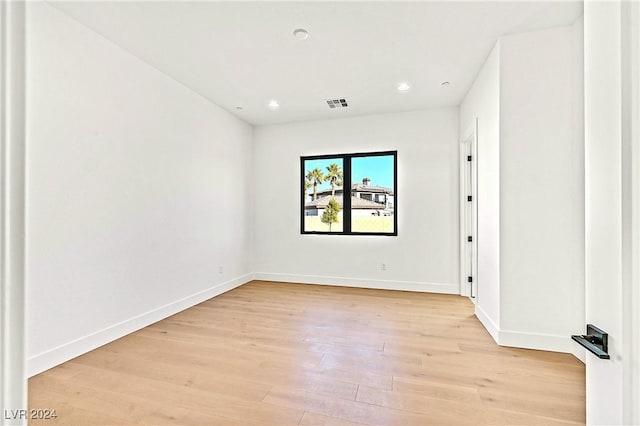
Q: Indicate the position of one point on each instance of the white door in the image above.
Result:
(612, 214)
(468, 215)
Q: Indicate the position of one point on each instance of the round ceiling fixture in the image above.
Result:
(273, 104)
(301, 34)
(445, 83)
(403, 87)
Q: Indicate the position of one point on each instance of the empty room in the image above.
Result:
(320, 213)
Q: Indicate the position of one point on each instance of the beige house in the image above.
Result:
(366, 200)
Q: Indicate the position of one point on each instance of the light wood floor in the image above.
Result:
(285, 354)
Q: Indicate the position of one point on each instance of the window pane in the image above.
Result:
(372, 194)
(323, 195)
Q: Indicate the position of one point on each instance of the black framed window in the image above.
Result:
(349, 194)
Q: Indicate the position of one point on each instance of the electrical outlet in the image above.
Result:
(221, 269)
(383, 266)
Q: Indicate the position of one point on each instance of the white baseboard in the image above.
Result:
(543, 342)
(360, 283)
(488, 324)
(67, 351)
(525, 340)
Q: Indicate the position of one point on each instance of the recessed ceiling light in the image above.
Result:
(301, 33)
(445, 83)
(403, 87)
(273, 104)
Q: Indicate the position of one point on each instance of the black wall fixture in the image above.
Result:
(596, 341)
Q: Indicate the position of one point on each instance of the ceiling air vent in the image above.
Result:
(337, 103)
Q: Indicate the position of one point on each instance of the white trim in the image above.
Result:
(13, 383)
(424, 287)
(46, 360)
(635, 250)
(542, 342)
(526, 340)
(468, 146)
(630, 13)
(462, 149)
(488, 323)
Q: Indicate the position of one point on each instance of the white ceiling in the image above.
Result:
(244, 53)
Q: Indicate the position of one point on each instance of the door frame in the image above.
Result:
(469, 225)
(612, 207)
(13, 379)
(630, 46)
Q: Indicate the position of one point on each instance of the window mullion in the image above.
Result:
(346, 194)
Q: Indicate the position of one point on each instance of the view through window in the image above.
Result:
(369, 205)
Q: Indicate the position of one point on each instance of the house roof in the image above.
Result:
(358, 187)
(371, 188)
(356, 203)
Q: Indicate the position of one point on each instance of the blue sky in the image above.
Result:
(379, 169)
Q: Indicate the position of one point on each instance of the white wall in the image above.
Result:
(138, 190)
(424, 255)
(528, 99)
(542, 188)
(483, 102)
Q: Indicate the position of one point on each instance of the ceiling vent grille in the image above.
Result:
(337, 103)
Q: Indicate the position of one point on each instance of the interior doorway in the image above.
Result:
(469, 213)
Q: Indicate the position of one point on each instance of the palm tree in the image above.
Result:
(315, 177)
(307, 185)
(334, 177)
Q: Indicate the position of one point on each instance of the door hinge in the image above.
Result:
(469, 198)
(470, 238)
(469, 279)
(469, 158)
